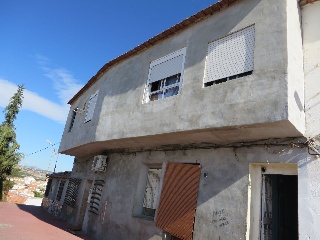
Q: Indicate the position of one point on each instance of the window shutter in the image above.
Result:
(91, 106)
(230, 55)
(178, 199)
(167, 66)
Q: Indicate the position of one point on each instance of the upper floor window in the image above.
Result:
(90, 107)
(230, 57)
(165, 76)
(73, 117)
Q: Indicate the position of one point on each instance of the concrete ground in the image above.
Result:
(34, 201)
(29, 222)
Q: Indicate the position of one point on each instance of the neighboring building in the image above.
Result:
(208, 130)
(29, 180)
(56, 190)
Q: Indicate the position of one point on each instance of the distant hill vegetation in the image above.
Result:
(35, 172)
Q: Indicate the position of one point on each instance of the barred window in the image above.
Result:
(49, 183)
(72, 192)
(60, 190)
(95, 198)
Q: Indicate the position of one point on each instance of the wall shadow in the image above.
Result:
(44, 216)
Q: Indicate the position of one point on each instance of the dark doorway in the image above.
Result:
(279, 207)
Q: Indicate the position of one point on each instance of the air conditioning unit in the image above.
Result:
(99, 163)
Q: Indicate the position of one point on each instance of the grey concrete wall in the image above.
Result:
(309, 190)
(247, 103)
(224, 190)
(309, 195)
(295, 76)
(311, 51)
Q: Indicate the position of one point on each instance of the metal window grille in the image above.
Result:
(48, 187)
(91, 106)
(95, 198)
(72, 192)
(231, 55)
(60, 190)
(160, 71)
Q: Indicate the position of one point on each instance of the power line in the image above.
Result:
(40, 150)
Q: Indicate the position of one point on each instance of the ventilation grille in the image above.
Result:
(230, 55)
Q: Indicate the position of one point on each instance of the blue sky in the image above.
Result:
(54, 47)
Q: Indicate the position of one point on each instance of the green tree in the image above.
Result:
(9, 155)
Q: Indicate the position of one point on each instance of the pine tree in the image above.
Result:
(9, 155)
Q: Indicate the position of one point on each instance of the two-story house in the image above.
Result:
(208, 130)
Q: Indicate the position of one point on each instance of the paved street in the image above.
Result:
(27, 222)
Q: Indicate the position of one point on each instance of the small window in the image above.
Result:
(230, 57)
(95, 196)
(151, 194)
(165, 76)
(60, 190)
(73, 117)
(91, 105)
(48, 187)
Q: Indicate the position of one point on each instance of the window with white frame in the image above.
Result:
(230, 57)
(90, 107)
(165, 76)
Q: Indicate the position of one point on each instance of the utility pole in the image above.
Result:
(53, 153)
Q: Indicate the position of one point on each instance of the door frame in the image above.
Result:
(254, 191)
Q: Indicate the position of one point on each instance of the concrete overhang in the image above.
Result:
(196, 138)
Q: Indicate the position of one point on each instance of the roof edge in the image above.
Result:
(203, 14)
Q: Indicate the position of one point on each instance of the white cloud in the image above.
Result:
(64, 83)
(33, 102)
